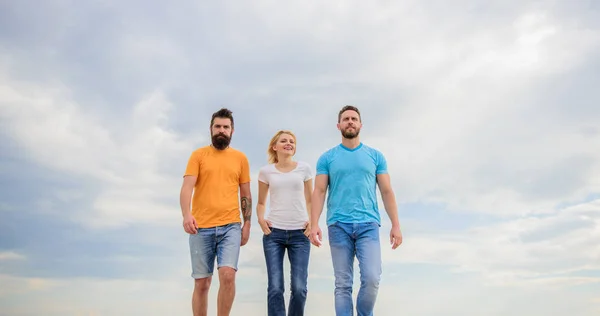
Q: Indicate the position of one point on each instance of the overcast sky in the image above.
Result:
(485, 111)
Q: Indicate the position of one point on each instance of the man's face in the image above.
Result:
(221, 132)
(349, 124)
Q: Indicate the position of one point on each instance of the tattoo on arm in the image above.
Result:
(246, 203)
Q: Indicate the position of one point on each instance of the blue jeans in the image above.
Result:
(298, 247)
(346, 241)
(222, 242)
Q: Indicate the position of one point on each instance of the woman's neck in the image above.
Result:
(284, 161)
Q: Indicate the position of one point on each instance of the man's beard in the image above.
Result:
(220, 141)
(350, 135)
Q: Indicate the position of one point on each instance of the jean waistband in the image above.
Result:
(286, 230)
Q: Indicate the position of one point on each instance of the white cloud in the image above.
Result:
(161, 296)
(475, 132)
(535, 251)
(454, 94)
(128, 163)
(10, 255)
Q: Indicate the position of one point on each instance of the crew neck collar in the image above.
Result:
(355, 149)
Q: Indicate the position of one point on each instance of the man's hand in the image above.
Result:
(316, 235)
(245, 233)
(307, 229)
(265, 225)
(395, 237)
(189, 224)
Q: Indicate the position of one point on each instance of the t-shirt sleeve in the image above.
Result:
(381, 164)
(262, 176)
(323, 165)
(307, 172)
(193, 165)
(245, 174)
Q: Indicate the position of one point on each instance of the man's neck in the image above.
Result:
(215, 148)
(351, 143)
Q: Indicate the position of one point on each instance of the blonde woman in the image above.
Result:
(286, 227)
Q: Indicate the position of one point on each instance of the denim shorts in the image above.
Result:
(222, 242)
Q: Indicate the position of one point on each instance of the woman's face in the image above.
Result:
(285, 145)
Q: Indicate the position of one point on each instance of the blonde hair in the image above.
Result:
(272, 153)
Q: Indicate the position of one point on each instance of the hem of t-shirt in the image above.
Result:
(320, 173)
(382, 172)
(370, 220)
(290, 227)
(213, 225)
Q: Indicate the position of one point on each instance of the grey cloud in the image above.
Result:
(293, 69)
(518, 251)
(531, 180)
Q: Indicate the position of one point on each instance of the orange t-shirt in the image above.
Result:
(215, 201)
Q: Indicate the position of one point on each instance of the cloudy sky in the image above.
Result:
(485, 110)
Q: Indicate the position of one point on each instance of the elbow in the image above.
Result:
(186, 191)
(319, 192)
(387, 193)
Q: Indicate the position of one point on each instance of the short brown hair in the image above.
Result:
(348, 108)
(222, 113)
(272, 154)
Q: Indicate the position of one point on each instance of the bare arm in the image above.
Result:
(246, 202)
(318, 198)
(308, 189)
(389, 199)
(185, 196)
(263, 189)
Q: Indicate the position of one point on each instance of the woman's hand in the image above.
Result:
(307, 229)
(265, 225)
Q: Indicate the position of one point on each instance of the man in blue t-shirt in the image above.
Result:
(352, 171)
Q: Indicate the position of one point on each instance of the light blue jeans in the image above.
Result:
(346, 241)
(222, 242)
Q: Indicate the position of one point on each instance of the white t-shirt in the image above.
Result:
(286, 191)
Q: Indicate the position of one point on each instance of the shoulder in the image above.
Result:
(265, 173)
(200, 152)
(305, 170)
(237, 153)
(330, 152)
(266, 168)
(304, 166)
(373, 151)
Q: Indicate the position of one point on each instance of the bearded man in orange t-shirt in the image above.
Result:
(216, 174)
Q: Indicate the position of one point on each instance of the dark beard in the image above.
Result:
(350, 135)
(220, 141)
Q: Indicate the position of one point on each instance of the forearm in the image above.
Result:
(318, 199)
(260, 211)
(391, 208)
(309, 210)
(246, 204)
(184, 201)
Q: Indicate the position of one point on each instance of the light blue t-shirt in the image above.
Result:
(352, 183)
